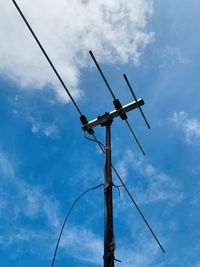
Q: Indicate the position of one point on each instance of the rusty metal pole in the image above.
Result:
(109, 241)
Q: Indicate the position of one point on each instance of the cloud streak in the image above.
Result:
(83, 244)
(20, 200)
(151, 186)
(47, 129)
(189, 126)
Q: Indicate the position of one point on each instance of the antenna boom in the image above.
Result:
(100, 120)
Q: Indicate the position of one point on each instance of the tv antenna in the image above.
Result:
(106, 121)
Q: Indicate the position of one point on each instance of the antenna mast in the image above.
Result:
(109, 240)
(106, 121)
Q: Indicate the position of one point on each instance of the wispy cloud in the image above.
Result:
(88, 247)
(189, 126)
(142, 255)
(83, 244)
(6, 167)
(41, 128)
(152, 185)
(115, 30)
(20, 200)
(171, 56)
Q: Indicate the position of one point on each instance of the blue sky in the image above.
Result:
(45, 162)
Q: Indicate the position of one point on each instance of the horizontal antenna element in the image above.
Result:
(100, 120)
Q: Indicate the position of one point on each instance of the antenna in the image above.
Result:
(117, 103)
(105, 121)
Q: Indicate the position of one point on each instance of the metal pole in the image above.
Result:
(109, 241)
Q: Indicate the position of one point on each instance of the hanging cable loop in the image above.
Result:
(66, 218)
(131, 197)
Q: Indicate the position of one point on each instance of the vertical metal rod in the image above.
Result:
(134, 96)
(109, 241)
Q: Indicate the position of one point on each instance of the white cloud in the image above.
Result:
(48, 129)
(6, 168)
(114, 29)
(88, 247)
(151, 186)
(142, 255)
(33, 203)
(22, 198)
(171, 55)
(83, 244)
(189, 126)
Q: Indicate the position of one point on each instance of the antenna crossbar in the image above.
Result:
(101, 120)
